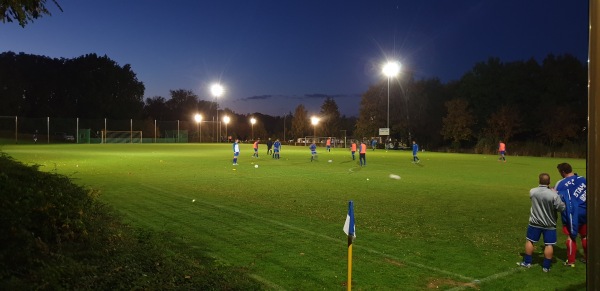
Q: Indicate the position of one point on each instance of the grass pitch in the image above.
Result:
(453, 221)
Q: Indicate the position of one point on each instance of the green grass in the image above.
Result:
(449, 221)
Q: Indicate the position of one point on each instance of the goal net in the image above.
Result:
(122, 136)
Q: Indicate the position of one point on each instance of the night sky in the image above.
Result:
(273, 55)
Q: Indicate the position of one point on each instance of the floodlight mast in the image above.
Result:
(252, 121)
(390, 69)
(198, 119)
(226, 119)
(217, 90)
(314, 120)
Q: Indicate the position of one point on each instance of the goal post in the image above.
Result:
(112, 136)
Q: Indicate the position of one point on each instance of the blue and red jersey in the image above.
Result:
(573, 191)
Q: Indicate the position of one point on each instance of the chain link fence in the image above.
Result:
(28, 130)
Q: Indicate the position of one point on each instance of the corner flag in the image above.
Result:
(349, 228)
(351, 233)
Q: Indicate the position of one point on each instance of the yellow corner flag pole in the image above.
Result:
(350, 231)
(349, 284)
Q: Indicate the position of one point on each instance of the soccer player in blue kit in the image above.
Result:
(572, 189)
(236, 151)
(313, 151)
(415, 148)
(276, 148)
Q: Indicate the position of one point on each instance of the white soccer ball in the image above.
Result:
(330, 161)
(395, 177)
(193, 200)
(256, 166)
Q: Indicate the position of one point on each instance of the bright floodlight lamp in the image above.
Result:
(252, 121)
(314, 120)
(217, 90)
(226, 119)
(390, 69)
(198, 119)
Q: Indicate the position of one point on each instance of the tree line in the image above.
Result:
(538, 107)
(524, 103)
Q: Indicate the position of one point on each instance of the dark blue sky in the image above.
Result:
(273, 55)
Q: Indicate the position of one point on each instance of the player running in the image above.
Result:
(502, 151)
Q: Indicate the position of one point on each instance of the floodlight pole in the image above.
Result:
(217, 91)
(226, 120)
(388, 105)
(198, 119)
(252, 121)
(314, 120)
(284, 115)
(390, 69)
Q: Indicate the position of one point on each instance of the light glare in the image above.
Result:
(314, 120)
(391, 69)
(216, 90)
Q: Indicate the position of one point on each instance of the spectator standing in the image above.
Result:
(545, 204)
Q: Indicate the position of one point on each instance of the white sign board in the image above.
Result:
(384, 131)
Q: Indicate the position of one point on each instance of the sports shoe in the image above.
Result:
(524, 265)
(583, 260)
(567, 264)
(546, 270)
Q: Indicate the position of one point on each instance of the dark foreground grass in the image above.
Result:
(58, 236)
(454, 221)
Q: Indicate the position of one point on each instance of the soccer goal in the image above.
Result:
(110, 136)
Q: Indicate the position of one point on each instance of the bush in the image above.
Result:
(57, 235)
